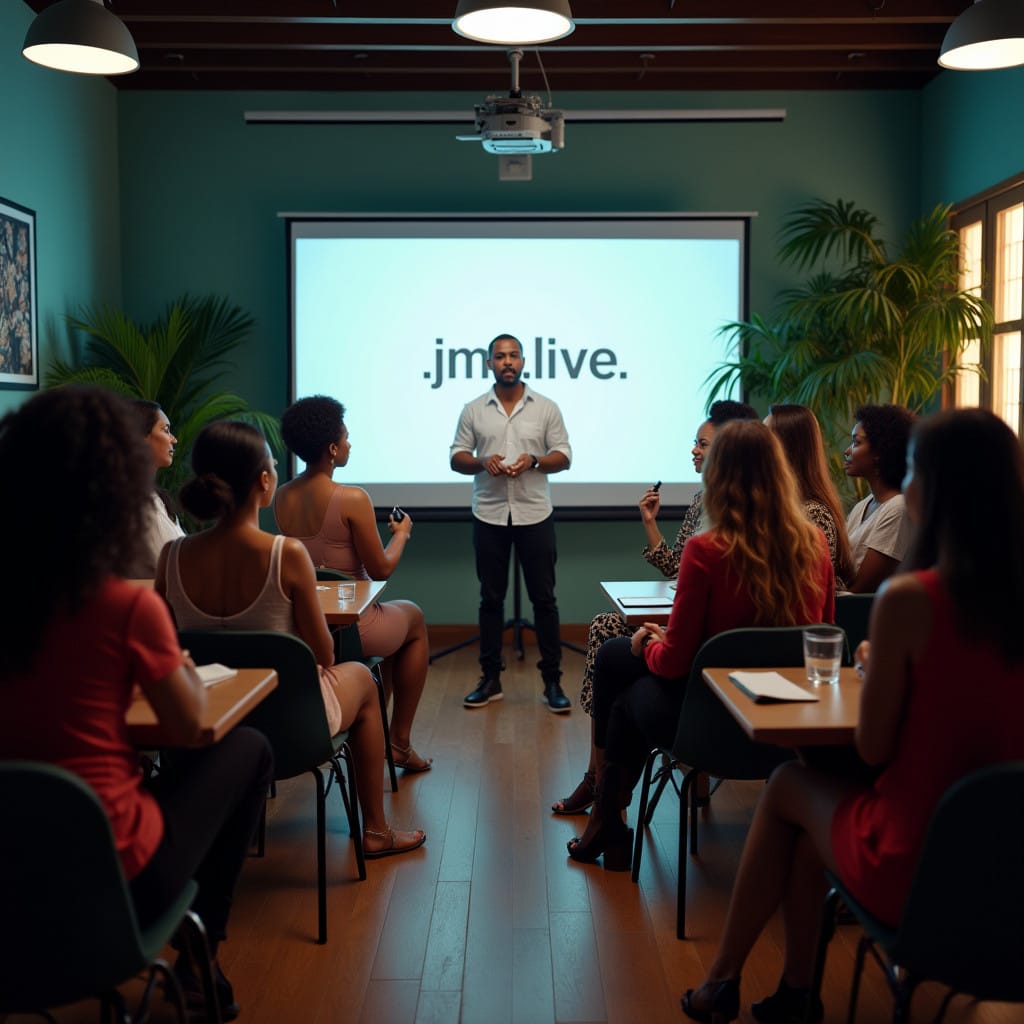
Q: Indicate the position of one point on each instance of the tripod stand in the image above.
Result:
(517, 623)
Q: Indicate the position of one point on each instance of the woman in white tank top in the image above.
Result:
(236, 576)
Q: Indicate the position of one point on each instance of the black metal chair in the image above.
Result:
(961, 924)
(70, 931)
(709, 740)
(853, 612)
(348, 646)
(294, 721)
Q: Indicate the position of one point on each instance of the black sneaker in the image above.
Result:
(555, 699)
(486, 691)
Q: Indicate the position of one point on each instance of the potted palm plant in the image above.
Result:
(176, 361)
(866, 326)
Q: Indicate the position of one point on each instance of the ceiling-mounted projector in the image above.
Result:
(511, 125)
(517, 125)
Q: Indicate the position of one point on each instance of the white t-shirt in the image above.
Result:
(885, 529)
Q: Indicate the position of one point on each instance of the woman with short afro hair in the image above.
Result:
(336, 523)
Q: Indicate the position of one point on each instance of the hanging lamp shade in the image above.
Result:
(513, 22)
(81, 36)
(988, 35)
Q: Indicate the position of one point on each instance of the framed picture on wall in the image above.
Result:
(19, 346)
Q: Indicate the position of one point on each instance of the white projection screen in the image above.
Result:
(619, 318)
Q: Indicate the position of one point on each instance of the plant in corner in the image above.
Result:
(176, 361)
(866, 326)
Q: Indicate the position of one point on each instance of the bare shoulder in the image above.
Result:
(902, 606)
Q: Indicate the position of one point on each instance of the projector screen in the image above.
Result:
(618, 315)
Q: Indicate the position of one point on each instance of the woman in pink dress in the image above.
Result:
(336, 524)
(944, 671)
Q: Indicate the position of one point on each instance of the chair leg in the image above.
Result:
(664, 774)
(388, 752)
(690, 786)
(642, 818)
(321, 857)
(350, 798)
(682, 856)
(825, 933)
(192, 934)
(858, 968)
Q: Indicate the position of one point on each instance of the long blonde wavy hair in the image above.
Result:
(753, 504)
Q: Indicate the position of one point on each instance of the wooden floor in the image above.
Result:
(489, 923)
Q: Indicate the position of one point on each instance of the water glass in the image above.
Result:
(346, 593)
(823, 652)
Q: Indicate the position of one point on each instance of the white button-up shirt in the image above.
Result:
(534, 427)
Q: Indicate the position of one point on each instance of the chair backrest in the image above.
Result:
(853, 611)
(69, 925)
(292, 717)
(326, 575)
(708, 737)
(962, 921)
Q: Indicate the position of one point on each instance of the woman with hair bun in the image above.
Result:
(162, 523)
(236, 576)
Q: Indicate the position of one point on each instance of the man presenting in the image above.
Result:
(518, 438)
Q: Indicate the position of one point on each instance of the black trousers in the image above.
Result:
(634, 710)
(211, 801)
(535, 546)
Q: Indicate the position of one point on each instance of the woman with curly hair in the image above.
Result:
(761, 563)
(336, 524)
(75, 640)
(877, 526)
(162, 523)
(943, 671)
(236, 576)
(606, 625)
(797, 429)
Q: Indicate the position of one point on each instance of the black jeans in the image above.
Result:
(634, 710)
(535, 546)
(211, 801)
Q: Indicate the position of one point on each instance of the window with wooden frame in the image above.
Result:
(991, 231)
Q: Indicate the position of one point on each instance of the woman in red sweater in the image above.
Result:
(953, 619)
(761, 563)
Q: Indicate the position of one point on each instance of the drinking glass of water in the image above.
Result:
(346, 593)
(823, 652)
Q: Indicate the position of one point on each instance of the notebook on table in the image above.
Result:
(770, 688)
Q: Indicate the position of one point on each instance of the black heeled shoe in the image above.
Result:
(723, 1002)
(612, 840)
(788, 1006)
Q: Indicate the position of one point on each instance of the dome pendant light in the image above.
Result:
(81, 36)
(987, 36)
(513, 22)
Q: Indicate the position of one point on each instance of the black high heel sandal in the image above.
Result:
(723, 1002)
(615, 843)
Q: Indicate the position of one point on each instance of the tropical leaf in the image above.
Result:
(180, 360)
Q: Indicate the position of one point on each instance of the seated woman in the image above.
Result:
(236, 576)
(761, 563)
(606, 625)
(947, 626)
(336, 524)
(798, 430)
(161, 521)
(77, 640)
(876, 526)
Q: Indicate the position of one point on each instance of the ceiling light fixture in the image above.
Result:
(987, 36)
(81, 36)
(513, 22)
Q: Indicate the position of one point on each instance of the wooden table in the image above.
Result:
(660, 594)
(338, 614)
(831, 719)
(227, 703)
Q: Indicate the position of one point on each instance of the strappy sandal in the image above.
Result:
(392, 850)
(424, 763)
(581, 798)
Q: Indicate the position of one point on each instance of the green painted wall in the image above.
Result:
(59, 158)
(970, 132)
(201, 192)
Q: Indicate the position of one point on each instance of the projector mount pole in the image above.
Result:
(514, 57)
